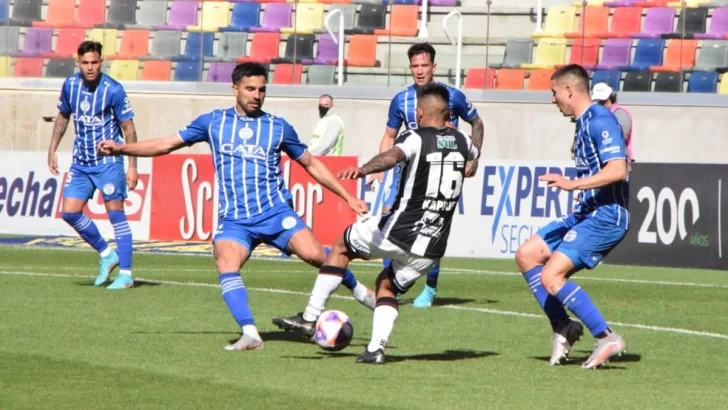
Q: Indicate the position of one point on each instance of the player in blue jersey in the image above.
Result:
(100, 111)
(402, 111)
(246, 145)
(584, 237)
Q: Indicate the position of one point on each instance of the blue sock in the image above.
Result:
(386, 262)
(236, 297)
(433, 274)
(349, 279)
(86, 228)
(122, 231)
(550, 304)
(577, 301)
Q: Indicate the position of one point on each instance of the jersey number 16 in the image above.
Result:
(444, 176)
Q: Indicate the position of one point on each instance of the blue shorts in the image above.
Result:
(274, 228)
(391, 193)
(585, 240)
(110, 179)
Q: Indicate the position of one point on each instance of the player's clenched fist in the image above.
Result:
(352, 173)
(359, 206)
(109, 148)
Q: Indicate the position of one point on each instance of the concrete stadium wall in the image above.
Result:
(519, 125)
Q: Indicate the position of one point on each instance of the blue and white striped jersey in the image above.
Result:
(402, 109)
(97, 114)
(247, 155)
(598, 140)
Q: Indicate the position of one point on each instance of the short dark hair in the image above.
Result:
(422, 48)
(243, 70)
(576, 71)
(89, 46)
(327, 96)
(434, 89)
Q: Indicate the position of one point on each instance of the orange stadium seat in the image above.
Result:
(510, 79)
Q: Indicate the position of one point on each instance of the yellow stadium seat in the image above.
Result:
(723, 84)
(580, 3)
(215, 14)
(124, 70)
(559, 20)
(107, 38)
(550, 52)
(5, 70)
(309, 17)
(688, 4)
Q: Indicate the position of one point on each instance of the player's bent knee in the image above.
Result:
(532, 253)
(229, 256)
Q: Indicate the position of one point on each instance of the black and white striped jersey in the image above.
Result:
(429, 188)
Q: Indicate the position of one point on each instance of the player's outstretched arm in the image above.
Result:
(478, 134)
(323, 175)
(59, 129)
(150, 148)
(130, 137)
(387, 142)
(381, 162)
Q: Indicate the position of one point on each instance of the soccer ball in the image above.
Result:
(334, 330)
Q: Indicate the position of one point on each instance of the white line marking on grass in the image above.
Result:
(349, 298)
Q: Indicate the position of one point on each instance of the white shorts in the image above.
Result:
(364, 239)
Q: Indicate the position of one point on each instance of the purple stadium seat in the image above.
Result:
(328, 52)
(616, 53)
(658, 21)
(620, 3)
(182, 13)
(37, 41)
(718, 25)
(443, 3)
(275, 17)
(220, 72)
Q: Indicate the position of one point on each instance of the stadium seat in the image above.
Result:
(134, 45)
(559, 20)
(718, 25)
(585, 52)
(444, 3)
(152, 13)
(372, 17)
(275, 17)
(25, 12)
(182, 14)
(617, 52)
(243, 17)
(230, 47)
(689, 4)
(348, 11)
(549, 53)
(263, 48)
(611, 77)
(322, 75)
(165, 45)
(197, 46)
(309, 17)
(67, 43)
(695, 22)
(593, 20)
(648, 53)
(190, 70)
(680, 55)
(702, 82)
(60, 68)
(480, 78)
(220, 72)
(328, 52)
(28, 67)
(510, 79)
(4, 14)
(156, 71)
(658, 21)
(625, 20)
(59, 12)
(518, 51)
(5, 66)
(121, 13)
(215, 14)
(403, 21)
(668, 82)
(124, 70)
(620, 3)
(713, 56)
(362, 51)
(37, 42)
(652, 3)
(107, 38)
(288, 74)
(90, 13)
(580, 3)
(9, 37)
(540, 80)
(638, 81)
(334, 1)
(298, 47)
(722, 86)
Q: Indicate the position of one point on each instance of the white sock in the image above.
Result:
(359, 292)
(106, 252)
(125, 272)
(324, 287)
(251, 331)
(384, 318)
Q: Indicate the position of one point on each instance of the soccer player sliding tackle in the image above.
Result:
(584, 237)
(414, 235)
(246, 145)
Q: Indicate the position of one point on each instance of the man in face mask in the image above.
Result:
(328, 134)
